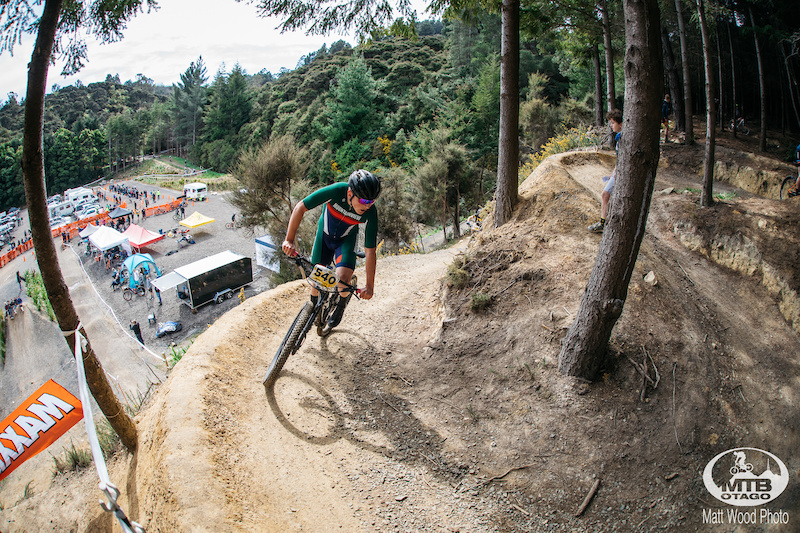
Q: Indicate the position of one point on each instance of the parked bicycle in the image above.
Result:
(325, 281)
(129, 292)
(738, 125)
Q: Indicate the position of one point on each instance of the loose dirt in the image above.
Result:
(438, 406)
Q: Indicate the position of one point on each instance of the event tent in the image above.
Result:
(143, 261)
(106, 238)
(88, 230)
(267, 253)
(119, 212)
(196, 219)
(138, 236)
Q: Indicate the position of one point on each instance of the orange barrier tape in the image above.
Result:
(36, 424)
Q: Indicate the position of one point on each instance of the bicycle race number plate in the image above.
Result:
(323, 278)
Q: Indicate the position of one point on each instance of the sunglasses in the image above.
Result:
(365, 202)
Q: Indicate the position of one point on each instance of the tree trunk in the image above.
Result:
(707, 194)
(36, 197)
(687, 83)
(792, 85)
(611, 91)
(674, 80)
(585, 345)
(733, 77)
(720, 93)
(506, 195)
(762, 141)
(598, 87)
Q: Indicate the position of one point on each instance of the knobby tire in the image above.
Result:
(289, 344)
(327, 309)
(788, 181)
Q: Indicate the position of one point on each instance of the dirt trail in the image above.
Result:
(305, 456)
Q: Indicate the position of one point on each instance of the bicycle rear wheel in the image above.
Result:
(127, 294)
(291, 342)
(788, 181)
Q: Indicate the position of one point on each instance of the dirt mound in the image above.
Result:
(438, 404)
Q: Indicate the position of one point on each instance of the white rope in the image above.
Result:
(110, 490)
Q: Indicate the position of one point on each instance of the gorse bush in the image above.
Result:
(569, 140)
(34, 288)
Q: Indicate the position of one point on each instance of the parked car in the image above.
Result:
(57, 222)
(88, 212)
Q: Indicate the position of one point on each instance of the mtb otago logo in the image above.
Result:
(745, 477)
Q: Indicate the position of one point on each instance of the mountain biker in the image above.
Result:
(795, 190)
(346, 205)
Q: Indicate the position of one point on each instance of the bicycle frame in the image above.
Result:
(327, 283)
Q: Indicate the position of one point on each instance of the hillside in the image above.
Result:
(421, 413)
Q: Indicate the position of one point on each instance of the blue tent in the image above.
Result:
(143, 261)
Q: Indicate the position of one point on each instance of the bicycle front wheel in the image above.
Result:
(788, 181)
(127, 294)
(291, 342)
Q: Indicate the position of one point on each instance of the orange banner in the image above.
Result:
(36, 424)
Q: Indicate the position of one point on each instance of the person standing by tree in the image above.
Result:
(614, 118)
(666, 111)
(795, 190)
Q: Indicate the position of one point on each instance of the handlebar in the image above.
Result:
(306, 266)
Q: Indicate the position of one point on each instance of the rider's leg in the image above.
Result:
(321, 254)
(345, 263)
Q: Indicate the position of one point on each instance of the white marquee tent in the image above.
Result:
(106, 238)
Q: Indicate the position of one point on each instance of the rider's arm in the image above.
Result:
(371, 260)
(288, 246)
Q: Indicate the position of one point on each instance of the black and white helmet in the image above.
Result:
(364, 184)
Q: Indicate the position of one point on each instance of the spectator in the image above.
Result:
(137, 331)
(666, 111)
(614, 118)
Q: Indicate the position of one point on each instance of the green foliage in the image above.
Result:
(443, 178)
(352, 116)
(480, 301)
(394, 205)
(457, 277)
(569, 140)
(176, 353)
(266, 177)
(541, 120)
(188, 100)
(34, 288)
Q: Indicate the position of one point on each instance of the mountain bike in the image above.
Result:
(787, 183)
(738, 125)
(128, 292)
(324, 279)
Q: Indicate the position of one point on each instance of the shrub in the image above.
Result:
(34, 288)
(480, 301)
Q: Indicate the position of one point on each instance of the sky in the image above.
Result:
(162, 44)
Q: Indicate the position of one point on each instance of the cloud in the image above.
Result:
(161, 45)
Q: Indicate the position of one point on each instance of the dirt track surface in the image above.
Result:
(420, 413)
